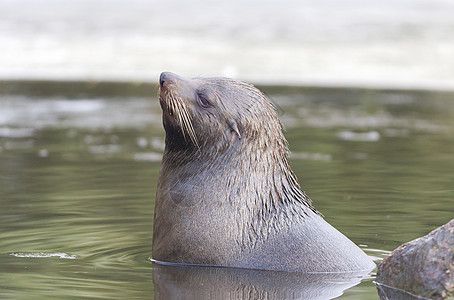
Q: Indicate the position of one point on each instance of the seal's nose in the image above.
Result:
(167, 77)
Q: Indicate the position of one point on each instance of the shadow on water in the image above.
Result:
(192, 282)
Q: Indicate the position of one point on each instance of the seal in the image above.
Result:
(226, 194)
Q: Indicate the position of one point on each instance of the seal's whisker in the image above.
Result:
(188, 125)
(173, 108)
(183, 117)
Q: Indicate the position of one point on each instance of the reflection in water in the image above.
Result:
(386, 292)
(193, 282)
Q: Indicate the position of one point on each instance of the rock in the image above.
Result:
(423, 267)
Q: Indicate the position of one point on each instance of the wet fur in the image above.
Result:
(226, 193)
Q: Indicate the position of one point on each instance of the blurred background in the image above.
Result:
(397, 43)
(365, 91)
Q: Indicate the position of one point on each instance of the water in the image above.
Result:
(78, 173)
(403, 43)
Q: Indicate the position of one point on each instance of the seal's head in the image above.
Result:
(217, 113)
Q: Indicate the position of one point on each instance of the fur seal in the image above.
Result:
(226, 194)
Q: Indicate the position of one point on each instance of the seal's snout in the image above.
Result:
(167, 77)
(170, 92)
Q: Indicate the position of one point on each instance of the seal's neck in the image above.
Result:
(256, 180)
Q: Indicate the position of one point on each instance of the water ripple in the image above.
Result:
(43, 255)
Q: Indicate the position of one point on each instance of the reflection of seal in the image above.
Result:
(226, 194)
(195, 282)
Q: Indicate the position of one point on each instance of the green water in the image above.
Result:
(79, 164)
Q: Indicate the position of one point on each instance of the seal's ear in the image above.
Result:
(234, 128)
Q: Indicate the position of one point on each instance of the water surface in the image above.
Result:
(79, 164)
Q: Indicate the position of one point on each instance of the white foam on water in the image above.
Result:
(43, 255)
(311, 156)
(16, 132)
(43, 153)
(102, 149)
(371, 136)
(142, 142)
(78, 106)
(148, 156)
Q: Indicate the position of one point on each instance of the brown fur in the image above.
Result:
(226, 193)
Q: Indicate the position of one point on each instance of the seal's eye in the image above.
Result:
(204, 102)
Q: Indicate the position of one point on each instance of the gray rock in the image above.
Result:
(423, 267)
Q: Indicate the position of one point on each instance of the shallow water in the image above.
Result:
(78, 172)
